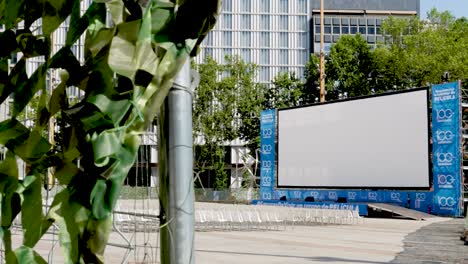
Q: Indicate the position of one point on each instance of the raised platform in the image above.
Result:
(400, 211)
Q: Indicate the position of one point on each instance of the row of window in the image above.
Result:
(346, 29)
(265, 5)
(264, 56)
(361, 21)
(263, 40)
(265, 22)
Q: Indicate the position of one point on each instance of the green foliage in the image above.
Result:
(141, 52)
(286, 91)
(227, 105)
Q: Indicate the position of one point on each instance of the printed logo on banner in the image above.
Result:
(297, 194)
(446, 203)
(445, 181)
(394, 196)
(266, 196)
(444, 137)
(420, 198)
(267, 133)
(444, 115)
(315, 195)
(444, 159)
(266, 181)
(372, 196)
(332, 195)
(266, 149)
(352, 195)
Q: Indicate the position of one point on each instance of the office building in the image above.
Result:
(279, 35)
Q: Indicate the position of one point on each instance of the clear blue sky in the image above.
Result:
(458, 8)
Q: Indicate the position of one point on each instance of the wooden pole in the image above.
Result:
(322, 55)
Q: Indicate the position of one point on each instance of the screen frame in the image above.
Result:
(429, 136)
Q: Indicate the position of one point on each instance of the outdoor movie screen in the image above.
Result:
(379, 142)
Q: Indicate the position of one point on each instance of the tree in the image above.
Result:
(142, 51)
(350, 65)
(286, 91)
(310, 92)
(227, 106)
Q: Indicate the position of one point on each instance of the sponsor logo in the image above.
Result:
(420, 196)
(446, 201)
(266, 196)
(267, 132)
(266, 149)
(444, 115)
(445, 181)
(444, 137)
(297, 194)
(332, 195)
(394, 196)
(352, 195)
(372, 196)
(266, 182)
(444, 159)
(314, 194)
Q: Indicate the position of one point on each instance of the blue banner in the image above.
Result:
(446, 149)
(267, 154)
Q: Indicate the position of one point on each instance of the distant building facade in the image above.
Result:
(280, 35)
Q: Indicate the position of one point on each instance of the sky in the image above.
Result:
(458, 8)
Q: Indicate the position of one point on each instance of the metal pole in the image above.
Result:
(322, 55)
(176, 176)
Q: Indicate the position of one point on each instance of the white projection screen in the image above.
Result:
(379, 142)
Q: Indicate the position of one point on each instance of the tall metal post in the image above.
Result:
(322, 55)
(176, 173)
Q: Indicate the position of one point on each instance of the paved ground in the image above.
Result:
(375, 241)
(435, 243)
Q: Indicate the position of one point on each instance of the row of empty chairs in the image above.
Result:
(263, 217)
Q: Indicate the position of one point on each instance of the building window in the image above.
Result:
(353, 29)
(265, 74)
(371, 30)
(227, 38)
(265, 6)
(245, 21)
(327, 29)
(283, 57)
(227, 5)
(209, 39)
(245, 39)
(302, 22)
(303, 57)
(336, 29)
(245, 55)
(378, 30)
(264, 39)
(283, 23)
(344, 30)
(227, 21)
(265, 56)
(245, 5)
(265, 22)
(317, 29)
(283, 6)
(283, 40)
(362, 30)
(302, 6)
(302, 40)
